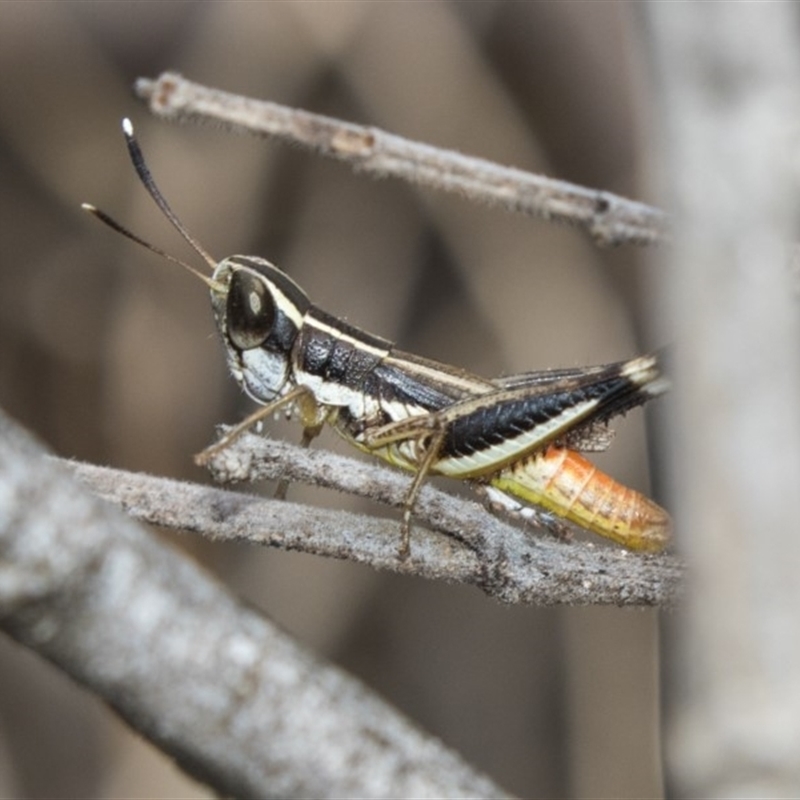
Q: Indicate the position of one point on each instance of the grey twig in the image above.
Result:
(215, 685)
(609, 218)
(505, 562)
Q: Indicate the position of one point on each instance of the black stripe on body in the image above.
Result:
(499, 421)
(421, 384)
(649, 381)
(395, 384)
(403, 385)
(336, 352)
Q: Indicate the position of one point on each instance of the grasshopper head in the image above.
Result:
(259, 312)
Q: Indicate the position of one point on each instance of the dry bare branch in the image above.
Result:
(609, 218)
(218, 687)
(503, 561)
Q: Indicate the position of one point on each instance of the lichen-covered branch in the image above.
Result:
(609, 218)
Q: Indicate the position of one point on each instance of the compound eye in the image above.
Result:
(250, 310)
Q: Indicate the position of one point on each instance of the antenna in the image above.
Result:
(116, 226)
(147, 179)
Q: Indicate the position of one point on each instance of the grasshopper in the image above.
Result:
(517, 437)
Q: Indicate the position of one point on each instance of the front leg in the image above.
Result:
(202, 459)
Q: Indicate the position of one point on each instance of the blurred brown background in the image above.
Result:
(109, 354)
